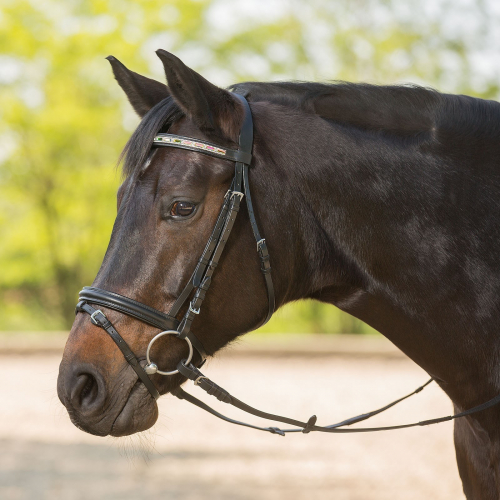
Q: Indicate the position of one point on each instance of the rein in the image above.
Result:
(195, 291)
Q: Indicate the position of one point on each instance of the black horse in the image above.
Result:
(383, 201)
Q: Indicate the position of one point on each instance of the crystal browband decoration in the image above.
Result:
(159, 139)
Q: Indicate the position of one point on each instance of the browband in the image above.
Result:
(178, 141)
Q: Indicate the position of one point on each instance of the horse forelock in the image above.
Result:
(159, 119)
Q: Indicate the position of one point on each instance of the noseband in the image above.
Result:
(195, 291)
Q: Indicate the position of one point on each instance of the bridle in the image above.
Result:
(195, 291)
(196, 288)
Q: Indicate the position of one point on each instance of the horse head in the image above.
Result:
(167, 207)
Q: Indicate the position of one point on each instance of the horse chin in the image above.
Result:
(139, 413)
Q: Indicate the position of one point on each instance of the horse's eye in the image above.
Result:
(182, 209)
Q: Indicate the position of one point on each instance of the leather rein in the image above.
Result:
(195, 291)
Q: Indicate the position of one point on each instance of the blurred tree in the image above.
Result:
(64, 120)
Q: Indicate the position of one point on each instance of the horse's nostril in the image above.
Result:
(85, 393)
(89, 391)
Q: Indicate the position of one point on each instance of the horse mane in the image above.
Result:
(396, 110)
(400, 110)
(408, 112)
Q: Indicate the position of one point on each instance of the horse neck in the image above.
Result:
(353, 220)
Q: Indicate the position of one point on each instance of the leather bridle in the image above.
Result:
(195, 291)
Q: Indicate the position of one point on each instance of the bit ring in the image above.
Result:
(152, 367)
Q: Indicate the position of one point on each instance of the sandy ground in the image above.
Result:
(190, 455)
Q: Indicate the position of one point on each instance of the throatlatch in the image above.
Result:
(196, 289)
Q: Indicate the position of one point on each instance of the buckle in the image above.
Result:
(193, 310)
(95, 321)
(199, 379)
(265, 258)
(237, 193)
(262, 248)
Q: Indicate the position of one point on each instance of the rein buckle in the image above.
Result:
(199, 379)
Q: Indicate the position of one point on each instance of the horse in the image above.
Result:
(380, 200)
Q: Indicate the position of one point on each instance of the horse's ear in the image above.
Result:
(213, 109)
(143, 93)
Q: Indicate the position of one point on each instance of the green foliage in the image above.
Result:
(63, 120)
(310, 316)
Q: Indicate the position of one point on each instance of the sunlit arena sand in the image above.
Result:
(191, 455)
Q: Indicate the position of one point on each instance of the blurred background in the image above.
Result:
(63, 123)
(64, 120)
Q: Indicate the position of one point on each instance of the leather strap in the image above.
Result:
(245, 141)
(181, 394)
(204, 260)
(128, 306)
(137, 310)
(192, 373)
(200, 146)
(202, 276)
(245, 144)
(197, 345)
(199, 296)
(262, 251)
(99, 319)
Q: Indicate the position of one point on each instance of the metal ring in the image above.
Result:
(169, 332)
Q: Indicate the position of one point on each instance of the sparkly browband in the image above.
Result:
(178, 141)
(181, 141)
